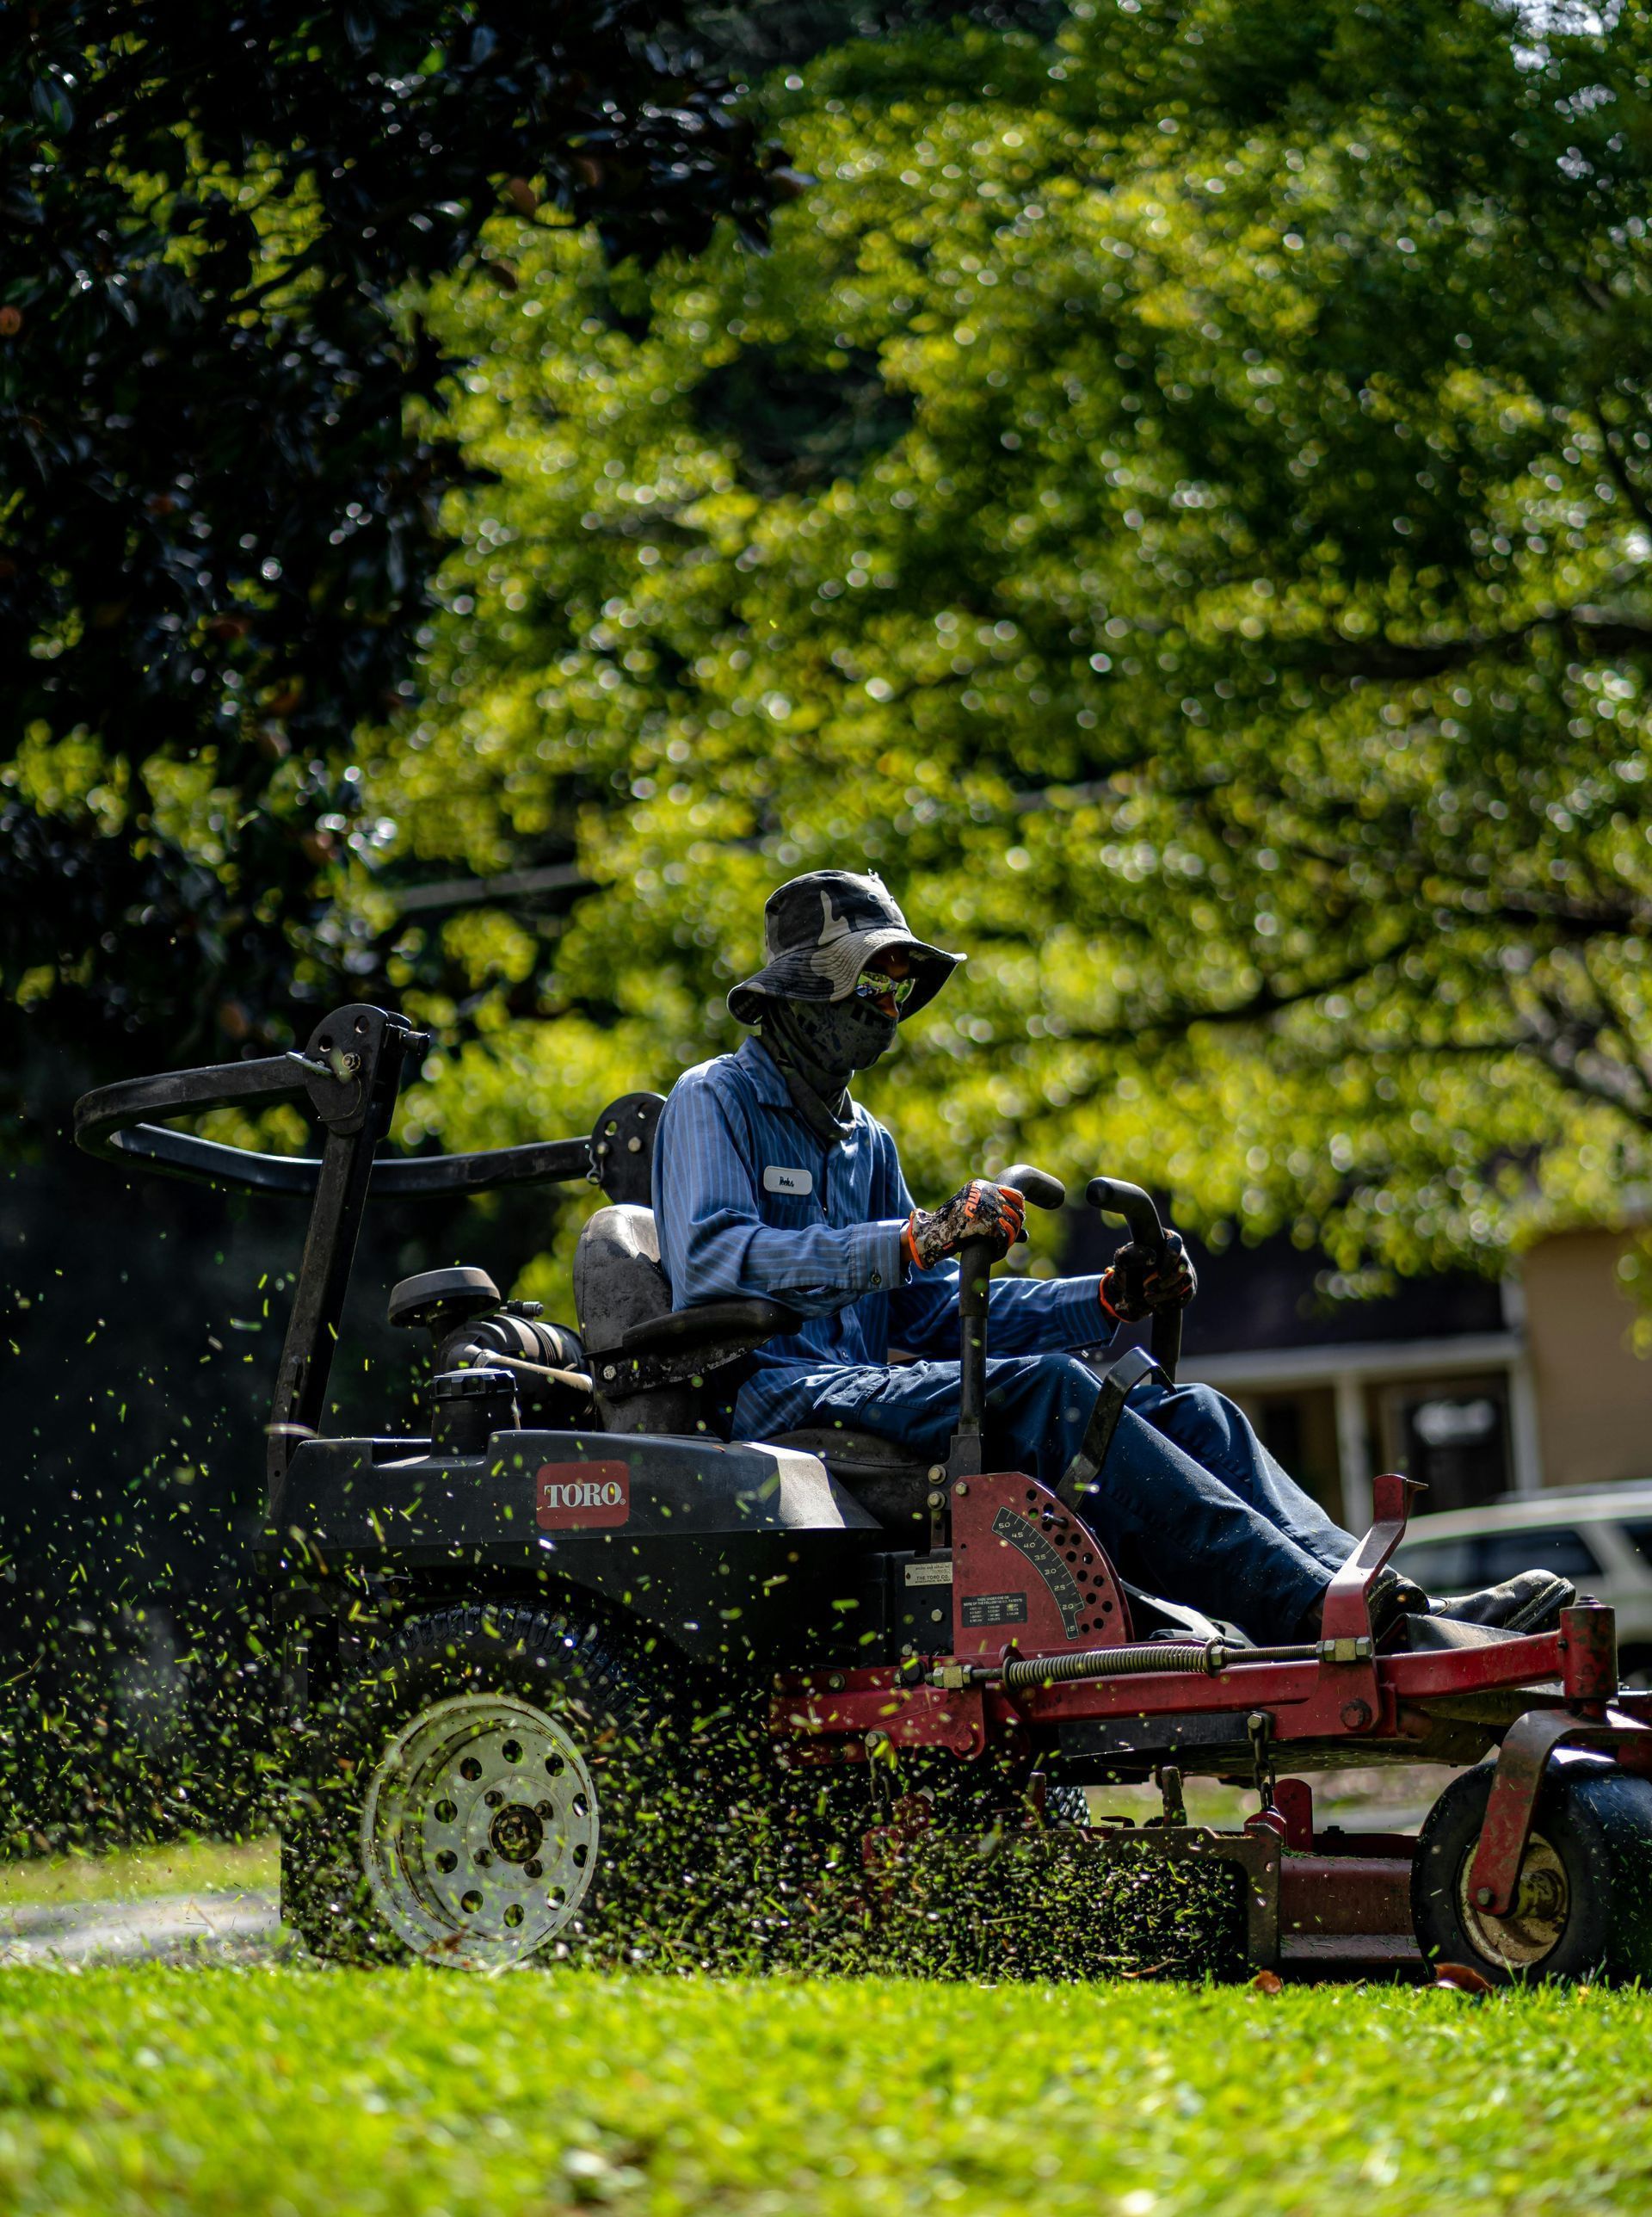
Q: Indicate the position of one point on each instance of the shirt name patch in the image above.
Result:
(776, 1180)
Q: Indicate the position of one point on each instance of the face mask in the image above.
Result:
(819, 1045)
(856, 1032)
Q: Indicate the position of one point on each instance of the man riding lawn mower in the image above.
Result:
(772, 1181)
(983, 1572)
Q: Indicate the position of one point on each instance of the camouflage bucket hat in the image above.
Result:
(819, 933)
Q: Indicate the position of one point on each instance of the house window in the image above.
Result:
(1451, 1434)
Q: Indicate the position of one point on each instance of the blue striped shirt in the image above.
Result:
(749, 1202)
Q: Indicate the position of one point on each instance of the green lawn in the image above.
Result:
(292, 2092)
(204, 1866)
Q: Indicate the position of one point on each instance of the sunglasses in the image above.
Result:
(874, 984)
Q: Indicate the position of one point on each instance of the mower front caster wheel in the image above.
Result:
(1584, 1906)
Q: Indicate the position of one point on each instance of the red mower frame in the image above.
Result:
(1049, 1651)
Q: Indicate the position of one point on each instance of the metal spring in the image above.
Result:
(1207, 1657)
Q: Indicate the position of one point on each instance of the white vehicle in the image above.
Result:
(1600, 1537)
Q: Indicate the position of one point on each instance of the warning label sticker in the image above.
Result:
(980, 1610)
(929, 1574)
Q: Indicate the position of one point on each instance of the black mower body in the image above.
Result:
(735, 1555)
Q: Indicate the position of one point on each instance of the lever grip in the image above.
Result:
(1116, 1198)
(975, 1260)
(1036, 1186)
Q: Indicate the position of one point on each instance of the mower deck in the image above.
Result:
(1316, 1906)
(1015, 1642)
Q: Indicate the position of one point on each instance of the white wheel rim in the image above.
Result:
(479, 1833)
(1535, 1924)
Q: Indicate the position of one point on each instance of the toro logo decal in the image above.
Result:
(575, 1496)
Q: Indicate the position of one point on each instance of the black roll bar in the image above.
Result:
(349, 1072)
(113, 1123)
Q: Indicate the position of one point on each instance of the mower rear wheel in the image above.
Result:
(1584, 1906)
(488, 1785)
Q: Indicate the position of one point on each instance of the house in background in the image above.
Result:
(1479, 1388)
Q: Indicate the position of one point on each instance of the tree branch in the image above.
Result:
(1619, 468)
(1269, 1000)
(1606, 630)
(1611, 1000)
(1568, 1043)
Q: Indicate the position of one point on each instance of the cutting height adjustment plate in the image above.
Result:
(1014, 1542)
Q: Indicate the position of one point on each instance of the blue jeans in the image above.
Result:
(1188, 1502)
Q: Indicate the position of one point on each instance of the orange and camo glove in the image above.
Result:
(976, 1211)
(1137, 1284)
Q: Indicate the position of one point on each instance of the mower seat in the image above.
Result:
(653, 1367)
(648, 1363)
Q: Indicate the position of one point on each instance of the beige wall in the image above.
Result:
(1594, 1395)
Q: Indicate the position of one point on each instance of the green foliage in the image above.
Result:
(221, 451)
(174, 2091)
(1242, 650)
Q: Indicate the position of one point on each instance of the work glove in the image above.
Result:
(1137, 1284)
(976, 1211)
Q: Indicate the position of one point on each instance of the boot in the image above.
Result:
(1531, 1603)
(1393, 1596)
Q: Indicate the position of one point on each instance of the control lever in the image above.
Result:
(974, 1274)
(1114, 1197)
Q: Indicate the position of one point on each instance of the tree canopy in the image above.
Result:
(221, 447)
(1175, 500)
